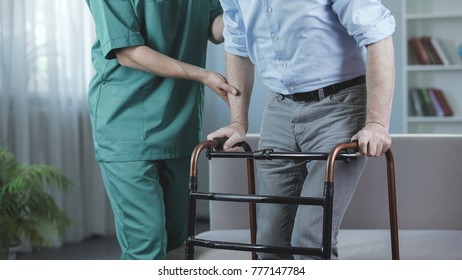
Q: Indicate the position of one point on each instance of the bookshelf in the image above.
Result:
(440, 20)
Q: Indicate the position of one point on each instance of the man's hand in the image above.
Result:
(373, 140)
(235, 132)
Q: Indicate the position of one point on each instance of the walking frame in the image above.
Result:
(345, 151)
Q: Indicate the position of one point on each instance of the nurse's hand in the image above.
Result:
(216, 82)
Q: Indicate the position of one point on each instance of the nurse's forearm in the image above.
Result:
(216, 30)
(146, 59)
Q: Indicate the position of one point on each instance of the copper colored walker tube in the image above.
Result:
(391, 190)
(250, 181)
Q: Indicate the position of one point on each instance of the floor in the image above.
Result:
(96, 248)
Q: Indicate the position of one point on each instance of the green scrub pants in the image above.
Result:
(149, 201)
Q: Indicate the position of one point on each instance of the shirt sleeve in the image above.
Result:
(215, 9)
(368, 21)
(116, 25)
(234, 32)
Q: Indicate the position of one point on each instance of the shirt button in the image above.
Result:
(284, 64)
(292, 88)
(269, 10)
(276, 37)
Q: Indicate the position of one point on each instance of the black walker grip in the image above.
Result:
(220, 142)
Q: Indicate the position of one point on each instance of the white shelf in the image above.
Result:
(455, 119)
(452, 67)
(434, 16)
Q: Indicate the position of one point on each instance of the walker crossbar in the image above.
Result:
(268, 154)
(223, 245)
(259, 198)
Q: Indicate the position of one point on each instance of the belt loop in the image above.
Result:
(321, 94)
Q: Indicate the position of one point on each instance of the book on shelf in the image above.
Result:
(442, 102)
(429, 102)
(428, 50)
(418, 50)
(439, 111)
(433, 55)
(439, 50)
(416, 102)
(428, 106)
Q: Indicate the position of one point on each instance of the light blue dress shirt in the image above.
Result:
(303, 45)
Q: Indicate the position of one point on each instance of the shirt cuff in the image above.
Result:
(377, 32)
(235, 44)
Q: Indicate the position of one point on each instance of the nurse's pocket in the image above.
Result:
(119, 114)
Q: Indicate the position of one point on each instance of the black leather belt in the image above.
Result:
(319, 94)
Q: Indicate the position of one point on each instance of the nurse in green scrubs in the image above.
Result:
(146, 103)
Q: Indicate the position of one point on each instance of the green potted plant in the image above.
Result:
(27, 211)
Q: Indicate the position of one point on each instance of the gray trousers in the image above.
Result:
(290, 126)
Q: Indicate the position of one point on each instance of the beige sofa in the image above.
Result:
(429, 195)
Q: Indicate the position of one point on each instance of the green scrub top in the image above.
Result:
(136, 115)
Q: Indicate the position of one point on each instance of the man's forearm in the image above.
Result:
(240, 74)
(380, 73)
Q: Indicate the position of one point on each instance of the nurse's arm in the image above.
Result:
(216, 30)
(146, 59)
